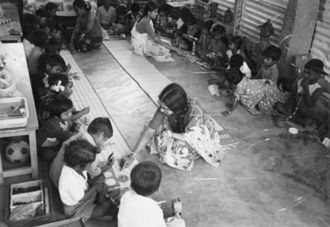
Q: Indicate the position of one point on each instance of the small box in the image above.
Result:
(12, 121)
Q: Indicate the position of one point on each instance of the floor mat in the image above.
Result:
(85, 95)
(147, 76)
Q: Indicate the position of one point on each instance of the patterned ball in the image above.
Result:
(18, 151)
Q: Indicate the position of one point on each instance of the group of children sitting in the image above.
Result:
(78, 157)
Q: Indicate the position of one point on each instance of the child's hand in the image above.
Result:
(226, 113)
(305, 84)
(85, 110)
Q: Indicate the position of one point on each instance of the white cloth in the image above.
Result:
(139, 211)
(312, 87)
(326, 142)
(244, 68)
(72, 186)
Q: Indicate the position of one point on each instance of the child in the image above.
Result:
(56, 129)
(205, 38)
(78, 197)
(161, 20)
(233, 74)
(30, 23)
(100, 131)
(269, 69)
(42, 15)
(132, 16)
(235, 45)
(136, 208)
(87, 33)
(303, 106)
(218, 47)
(53, 23)
(106, 14)
(34, 48)
(187, 34)
(53, 46)
(119, 25)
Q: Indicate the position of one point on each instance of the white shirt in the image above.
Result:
(244, 68)
(312, 87)
(106, 17)
(72, 186)
(139, 211)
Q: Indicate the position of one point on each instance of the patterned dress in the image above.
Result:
(202, 140)
(261, 92)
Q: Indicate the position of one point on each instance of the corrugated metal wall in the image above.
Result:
(224, 5)
(257, 12)
(321, 42)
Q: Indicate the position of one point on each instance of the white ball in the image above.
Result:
(18, 151)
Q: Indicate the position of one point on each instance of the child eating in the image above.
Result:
(78, 197)
(136, 208)
(269, 69)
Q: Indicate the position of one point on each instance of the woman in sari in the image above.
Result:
(180, 132)
(144, 39)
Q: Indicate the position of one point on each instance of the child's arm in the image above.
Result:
(231, 107)
(80, 113)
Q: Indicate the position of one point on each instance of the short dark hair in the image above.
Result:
(101, 124)
(38, 38)
(236, 61)
(41, 13)
(79, 153)
(272, 52)
(145, 178)
(52, 60)
(50, 6)
(237, 41)
(58, 105)
(53, 45)
(82, 4)
(219, 29)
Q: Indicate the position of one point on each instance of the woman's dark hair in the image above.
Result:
(82, 4)
(79, 153)
(58, 105)
(272, 52)
(237, 41)
(100, 124)
(175, 98)
(149, 7)
(38, 38)
(51, 6)
(145, 178)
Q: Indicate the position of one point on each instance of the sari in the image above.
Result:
(201, 140)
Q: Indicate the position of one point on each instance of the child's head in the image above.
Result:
(82, 7)
(100, 130)
(79, 153)
(173, 99)
(61, 107)
(235, 43)
(236, 61)
(53, 46)
(218, 31)
(51, 8)
(38, 38)
(42, 14)
(271, 55)
(313, 70)
(60, 84)
(51, 64)
(207, 27)
(145, 178)
(135, 8)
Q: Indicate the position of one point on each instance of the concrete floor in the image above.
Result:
(261, 183)
(275, 182)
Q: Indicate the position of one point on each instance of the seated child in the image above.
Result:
(87, 33)
(34, 47)
(233, 74)
(119, 25)
(78, 197)
(56, 129)
(269, 69)
(145, 180)
(100, 131)
(53, 23)
(235, 45)
(205, 38)
(42, 15)
(161, 20)
(187, 34)
(132, 16)
(217, 47)
(53, 46)
(106, 14)
(303, 106)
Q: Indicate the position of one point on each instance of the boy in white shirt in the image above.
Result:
(136, 208)
(106, 14)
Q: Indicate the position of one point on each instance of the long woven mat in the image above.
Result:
(148, 77)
